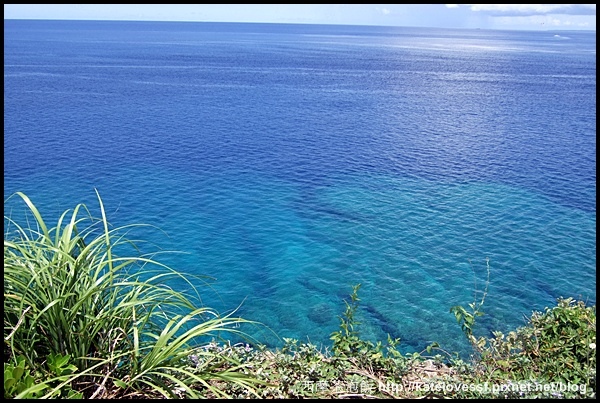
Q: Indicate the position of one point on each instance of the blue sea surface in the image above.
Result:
(291, 162)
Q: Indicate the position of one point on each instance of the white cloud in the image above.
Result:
(452, 5)
(531, 9)
(532, 16)
(541, 21)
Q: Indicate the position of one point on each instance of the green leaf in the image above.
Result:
(9, 383)
(120, 384)
(17, 372)
(74, 395)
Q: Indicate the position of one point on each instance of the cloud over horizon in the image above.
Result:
(526, 10)
(519, 16)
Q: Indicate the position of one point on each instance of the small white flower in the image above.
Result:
(593, 346)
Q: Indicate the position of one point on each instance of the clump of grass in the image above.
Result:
(111, 319)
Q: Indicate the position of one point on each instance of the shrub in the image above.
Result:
(557, 347)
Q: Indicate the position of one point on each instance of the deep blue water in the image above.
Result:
(291, 162)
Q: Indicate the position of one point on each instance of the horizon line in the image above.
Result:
(303, 23)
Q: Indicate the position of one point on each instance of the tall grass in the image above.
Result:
(68, 292)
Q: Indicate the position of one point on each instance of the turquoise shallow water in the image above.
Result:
(291, 162)
(289, 254)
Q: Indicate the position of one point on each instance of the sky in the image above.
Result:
(484, 16)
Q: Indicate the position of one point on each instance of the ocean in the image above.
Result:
(291, 162)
